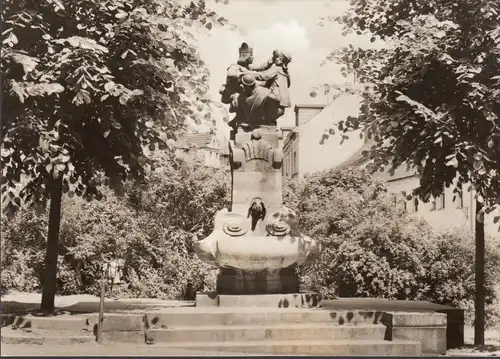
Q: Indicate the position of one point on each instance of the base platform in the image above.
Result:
(234, 282)
(291, 300)
(357, 326)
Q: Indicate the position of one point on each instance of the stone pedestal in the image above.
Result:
(257, 242)
(280, 281)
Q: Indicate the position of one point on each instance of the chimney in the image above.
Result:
(303, 113)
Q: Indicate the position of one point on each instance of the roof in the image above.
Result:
(199, 140)
(292, 135)
(400, 173)
(308, 106)
(358, 160)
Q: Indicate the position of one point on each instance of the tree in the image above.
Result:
(87, 86)
(433, 98)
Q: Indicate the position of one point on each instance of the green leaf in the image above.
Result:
(109, 86)
(82, 97)
(142, 160)
(453, 162)
(123, 99)
(136, 92)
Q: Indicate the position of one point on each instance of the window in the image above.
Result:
(439, 203)
(404, 201)
(295, 164)
(442, 201)
(286, 166)
(460, 197)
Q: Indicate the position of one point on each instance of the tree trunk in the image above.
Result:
(50, 270)
(479, 322)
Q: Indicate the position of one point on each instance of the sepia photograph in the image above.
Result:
(202, 178)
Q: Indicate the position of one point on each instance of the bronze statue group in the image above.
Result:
(258, 95)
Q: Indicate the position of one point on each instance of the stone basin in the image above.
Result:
(256, 253)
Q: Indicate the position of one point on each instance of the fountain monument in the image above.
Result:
(257, 242)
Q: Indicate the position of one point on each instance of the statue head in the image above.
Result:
(282, 58)
(246, 55)
(248, 83)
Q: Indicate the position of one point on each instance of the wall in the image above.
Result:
(455, 214)
(315, 156)
(490, 228)
(211, 158)
(442, 219)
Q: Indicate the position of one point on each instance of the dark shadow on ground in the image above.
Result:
(110, 306)
(381, 304)
(482, 349)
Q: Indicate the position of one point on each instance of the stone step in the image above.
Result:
(199, 316)
(50, 337)
(311, 331)
(334, 347)
(58, 322)
(291, 300)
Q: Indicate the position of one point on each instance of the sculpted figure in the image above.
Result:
(262, 98)
(256, 105)
(277, 79)
(235, 71)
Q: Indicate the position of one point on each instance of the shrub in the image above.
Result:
(451, 273)
(372, 248)
(23, 244)
(151, 228)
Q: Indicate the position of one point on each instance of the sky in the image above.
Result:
(290, 25)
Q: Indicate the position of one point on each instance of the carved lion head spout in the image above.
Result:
(257, 210)
(283, 222)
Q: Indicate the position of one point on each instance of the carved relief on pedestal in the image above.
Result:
(256, 149)
(235, 225)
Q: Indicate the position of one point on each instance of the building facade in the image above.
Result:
(305, 153)
(447, 212)
(205, 147)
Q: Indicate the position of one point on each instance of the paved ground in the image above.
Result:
(25, 302)
(119, 349)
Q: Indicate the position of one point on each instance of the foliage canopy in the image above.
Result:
(88, 85)
(433, 93)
